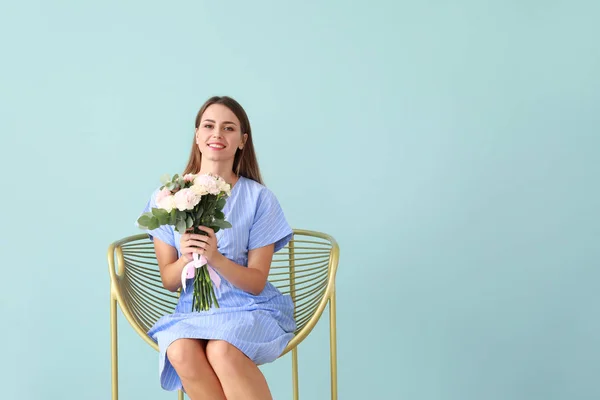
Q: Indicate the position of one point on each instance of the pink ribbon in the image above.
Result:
(189, 271)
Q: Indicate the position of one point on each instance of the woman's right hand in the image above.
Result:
(189, 243)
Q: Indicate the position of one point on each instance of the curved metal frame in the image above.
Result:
(117, 274)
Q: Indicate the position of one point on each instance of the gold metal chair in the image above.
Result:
(305, 269)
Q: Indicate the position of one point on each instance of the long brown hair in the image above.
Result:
(244, 162)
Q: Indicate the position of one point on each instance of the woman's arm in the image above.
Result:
(252, 278)
(169, 264)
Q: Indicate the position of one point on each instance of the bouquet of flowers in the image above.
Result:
(187, 202)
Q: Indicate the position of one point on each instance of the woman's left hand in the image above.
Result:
(209, 245)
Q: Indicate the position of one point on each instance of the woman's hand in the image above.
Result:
(209, 244)
(201, 244)
(190, 243)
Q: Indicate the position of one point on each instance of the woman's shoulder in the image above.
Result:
(258, 190)
(251, 183)
(269, 224)
(263, 199)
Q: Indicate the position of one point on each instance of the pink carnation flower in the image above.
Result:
(189, 177)
(162, 194)
(186, 199)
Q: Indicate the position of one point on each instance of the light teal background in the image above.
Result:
(452, 148)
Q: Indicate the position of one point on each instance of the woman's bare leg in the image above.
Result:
(240, 378)
(199, 380)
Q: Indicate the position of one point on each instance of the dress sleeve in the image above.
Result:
(164, 232)
(269, 225)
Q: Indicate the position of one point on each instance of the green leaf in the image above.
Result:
(189, 222)
(219, 214)
(153, 225)
(221, 203)
(162, 215)
(144, 220)
(165, 178)
(165, 219)
(158, 212)
(221, 223)
(173, 217)
(148, 221)
(181, 226)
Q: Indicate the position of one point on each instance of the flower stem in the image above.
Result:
(203, 290)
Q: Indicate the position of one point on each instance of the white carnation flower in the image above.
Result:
(166, 203)
(199, 190)
(208, 183)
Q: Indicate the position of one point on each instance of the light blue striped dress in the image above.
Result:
(259, 326)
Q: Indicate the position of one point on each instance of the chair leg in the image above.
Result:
(295, 373)
(180, 395)
(333, 346)
(114, 349)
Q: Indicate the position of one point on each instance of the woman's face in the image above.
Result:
(219, 134)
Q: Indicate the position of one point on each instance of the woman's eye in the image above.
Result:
(228, 128)
(208, 126)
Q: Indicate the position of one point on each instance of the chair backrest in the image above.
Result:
(305, 269)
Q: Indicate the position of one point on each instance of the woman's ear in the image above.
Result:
(244, 139)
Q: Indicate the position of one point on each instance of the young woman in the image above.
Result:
(215, 354)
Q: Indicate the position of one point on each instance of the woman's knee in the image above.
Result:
(186, 356)
(222, 355)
